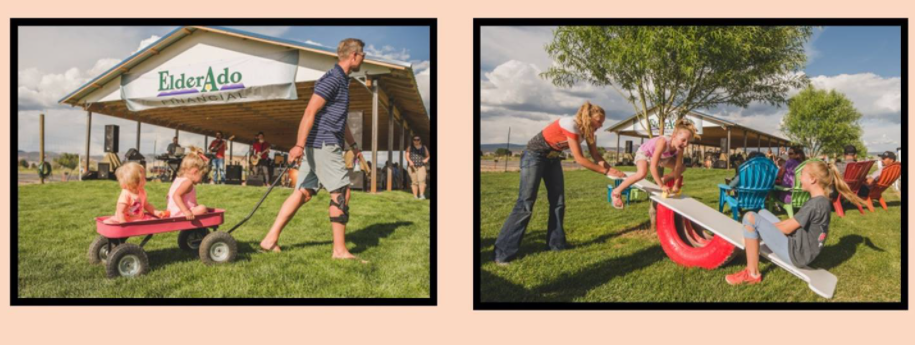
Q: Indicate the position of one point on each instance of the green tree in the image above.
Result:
(672, 70)
(503, 152)
(23, 163)
(823, 122)
(67, 160)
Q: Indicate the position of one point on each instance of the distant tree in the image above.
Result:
(67, 160)
(32, 166)
(503, 152)
(672, 70)
(823, 122)
(23, 163)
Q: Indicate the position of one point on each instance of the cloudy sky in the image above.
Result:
(861, 62)
(54, 61)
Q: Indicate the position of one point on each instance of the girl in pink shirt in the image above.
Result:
(661, 151)
(132, 204)
(182, 197)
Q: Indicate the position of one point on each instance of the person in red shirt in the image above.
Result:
(261, 149)
(218, 146)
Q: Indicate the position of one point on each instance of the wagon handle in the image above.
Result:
(278, 177)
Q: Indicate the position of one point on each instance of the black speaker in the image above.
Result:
(111, 138)
(133, 155)
(629, 146)
(104, 171)
(255, 180)
(233, 174)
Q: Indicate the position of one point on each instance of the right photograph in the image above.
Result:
(690, 164)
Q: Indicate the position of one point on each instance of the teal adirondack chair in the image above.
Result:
(626, 193)
(757, 177)
(798, 196)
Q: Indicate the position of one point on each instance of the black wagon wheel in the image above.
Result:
(127, 260)
(99, 250)
(218, 248)
(189, 240)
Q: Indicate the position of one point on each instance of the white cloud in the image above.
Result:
(874, 96)
(423, 84)
(314, 43)
(152, 39)
(275, 31)
(39, 90)
(388, 52)
(809, 48)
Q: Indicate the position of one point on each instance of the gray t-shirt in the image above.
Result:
(805, 243)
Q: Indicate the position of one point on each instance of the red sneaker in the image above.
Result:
(743, 277)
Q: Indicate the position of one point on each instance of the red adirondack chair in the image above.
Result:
(889, 175)
(855, 175)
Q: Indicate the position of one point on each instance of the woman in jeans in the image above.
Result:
(542, 160)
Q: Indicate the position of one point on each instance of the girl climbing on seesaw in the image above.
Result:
(661, 151)
(796, 241)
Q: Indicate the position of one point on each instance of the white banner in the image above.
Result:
(241, 78)
(638, 124)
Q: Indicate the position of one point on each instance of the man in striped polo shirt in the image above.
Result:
(321, 138)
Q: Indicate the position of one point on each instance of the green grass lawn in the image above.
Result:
(614, 257)
(390, 230)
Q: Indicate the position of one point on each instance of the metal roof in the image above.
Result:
(181, 32)
(735, 127)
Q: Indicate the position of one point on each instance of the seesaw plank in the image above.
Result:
(820, 281)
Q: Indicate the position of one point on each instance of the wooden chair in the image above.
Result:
(855, 175)
(889, 175)
(757, 177)
(798, 195)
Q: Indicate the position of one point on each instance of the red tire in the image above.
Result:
(688, 244)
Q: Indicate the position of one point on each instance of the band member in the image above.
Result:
(261, 149)
(173, 146)
(218, 147)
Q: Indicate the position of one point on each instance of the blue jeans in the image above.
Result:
(219, 170)
(765, 227)
(534, 167)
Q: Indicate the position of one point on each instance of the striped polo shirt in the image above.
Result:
(330, 121)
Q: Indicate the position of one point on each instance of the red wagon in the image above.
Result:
(200, 235)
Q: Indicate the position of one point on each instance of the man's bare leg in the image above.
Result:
(295, 200)
(339, 230)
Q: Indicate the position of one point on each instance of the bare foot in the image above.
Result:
(347, 256)
(275, 248)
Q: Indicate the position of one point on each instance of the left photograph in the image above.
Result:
(224, 162)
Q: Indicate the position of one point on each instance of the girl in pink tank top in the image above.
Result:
(656, 154)
(182, 196)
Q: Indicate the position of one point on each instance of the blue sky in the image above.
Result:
(45, 75)
(856, 49)
(864, 63)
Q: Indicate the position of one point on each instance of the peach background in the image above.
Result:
(453, 320)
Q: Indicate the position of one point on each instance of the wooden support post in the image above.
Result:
(728, 150)
(88, 136)
(138, 133)
(758, 142)
(618, 147)
(374, 172)
(206, 143)
(745, 142)
(231, 152)
(40, 144)
(390, 161)
(403, 133)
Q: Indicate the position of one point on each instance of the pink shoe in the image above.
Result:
(743, 277)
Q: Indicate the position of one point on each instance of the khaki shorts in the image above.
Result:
(418, 175)
(324, 167)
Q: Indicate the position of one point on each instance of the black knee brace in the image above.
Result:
(340, 203)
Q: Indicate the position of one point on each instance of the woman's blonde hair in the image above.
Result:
(828, 176)
(193, 159)
(583, 119)
(686, 124)
(129, 175)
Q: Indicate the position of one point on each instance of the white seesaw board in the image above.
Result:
(820, 281)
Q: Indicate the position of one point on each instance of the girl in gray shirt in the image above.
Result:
(796, 240)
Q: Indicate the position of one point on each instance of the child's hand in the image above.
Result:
(189, 215)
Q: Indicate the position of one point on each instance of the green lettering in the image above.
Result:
(209, 83)
(233, 78)
(163, 75)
